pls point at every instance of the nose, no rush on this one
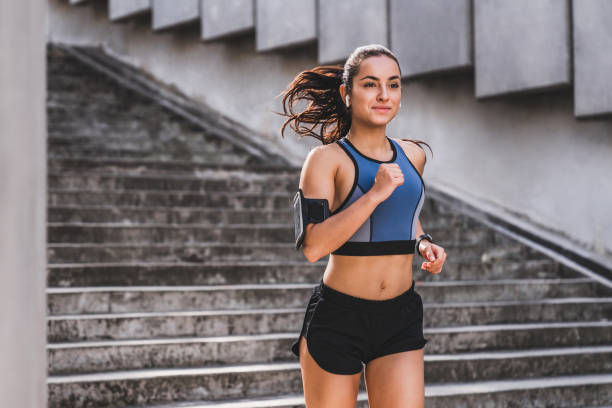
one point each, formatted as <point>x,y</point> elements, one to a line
<point>383,95</point>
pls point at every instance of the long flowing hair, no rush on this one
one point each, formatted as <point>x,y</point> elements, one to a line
<point>326,109</point>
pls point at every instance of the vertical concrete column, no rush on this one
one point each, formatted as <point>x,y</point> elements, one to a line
<point>121,9</point>
<point>23,207</point>
<point>430,36</point>
<point>346,25</point>
<point>592,28</point>
<point>281,24</point>
<point>521,46</point>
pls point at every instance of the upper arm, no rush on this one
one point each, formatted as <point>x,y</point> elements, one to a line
<point>318,174</point>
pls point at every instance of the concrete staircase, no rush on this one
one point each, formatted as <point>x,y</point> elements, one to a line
<point>173,281</point>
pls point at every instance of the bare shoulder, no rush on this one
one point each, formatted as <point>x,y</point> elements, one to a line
<point>414,152</point>
<point>319,171</point>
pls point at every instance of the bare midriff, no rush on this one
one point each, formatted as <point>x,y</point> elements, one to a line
<point>377,277</point>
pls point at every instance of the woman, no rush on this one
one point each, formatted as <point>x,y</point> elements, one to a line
<point>364,311</point>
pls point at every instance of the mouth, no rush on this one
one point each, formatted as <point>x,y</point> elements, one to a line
<point>382,109</point>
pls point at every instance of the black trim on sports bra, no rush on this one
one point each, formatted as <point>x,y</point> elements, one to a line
<point>376,247</point>
<point>372,159</point>
<point>356,177</point>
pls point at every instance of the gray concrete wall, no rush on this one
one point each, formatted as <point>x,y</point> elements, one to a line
<point>431,35</point>
<point>527,157</point>
<point>521,45</point>
<point>592,57</point>
<point>284,23</point>
<point>345,25</point>
<point>121,9</point>
<point>224,18</point>
<point>23,207</point>
<point>168,14</point>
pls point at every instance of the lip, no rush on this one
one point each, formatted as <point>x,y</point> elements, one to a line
<point>381,108</point>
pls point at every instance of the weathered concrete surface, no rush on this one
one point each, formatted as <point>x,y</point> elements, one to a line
<point>168,14</point>
<point>120,9</point>
<point>223,18</point>
<point>526,141</point>
<point>431,35</point>
<point>345,25</point>
<point>592,57</point>
<point>521,45</point>
<point>284,23</point>
<point>23,206</point>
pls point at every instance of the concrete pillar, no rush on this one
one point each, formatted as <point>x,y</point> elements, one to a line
<point>120,9</point>
<point>592,57</point>
<point>226,18</point>
<point>167,14</point>
<point>521,46</point>
<point>430,36</point>
<point>346,25</point>
<point>23,207</point>
<point>281,24</point>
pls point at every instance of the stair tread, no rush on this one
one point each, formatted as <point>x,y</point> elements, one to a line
<point>428,305</point>
<point>279,286</point>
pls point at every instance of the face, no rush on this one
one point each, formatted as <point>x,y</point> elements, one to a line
<point>376,92</point>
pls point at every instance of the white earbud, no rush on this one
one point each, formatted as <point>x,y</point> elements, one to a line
<point>400,105</point>
<point>347,101</point>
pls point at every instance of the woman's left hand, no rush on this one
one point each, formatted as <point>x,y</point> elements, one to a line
<point>435,254</point>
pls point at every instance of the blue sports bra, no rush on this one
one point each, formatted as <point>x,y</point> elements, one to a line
<point>391,228</point>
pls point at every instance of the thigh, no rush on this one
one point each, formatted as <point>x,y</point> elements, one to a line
<point>396,380</point>
<point>323,389</point>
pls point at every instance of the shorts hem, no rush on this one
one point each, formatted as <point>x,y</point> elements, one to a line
<point>321,365</point>
<point>421,344</point>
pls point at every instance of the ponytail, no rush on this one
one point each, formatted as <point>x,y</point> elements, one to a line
<point>320,86</point>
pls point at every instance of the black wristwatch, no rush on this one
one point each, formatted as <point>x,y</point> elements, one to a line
<point>418,241</point>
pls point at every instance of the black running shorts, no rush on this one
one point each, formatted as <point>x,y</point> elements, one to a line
<point>344,332</point>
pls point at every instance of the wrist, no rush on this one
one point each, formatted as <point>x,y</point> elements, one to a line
<point>421,237</point>
<point>373,197</point>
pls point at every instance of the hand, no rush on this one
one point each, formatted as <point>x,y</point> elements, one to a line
<point>388,177</point>
<point>435,254</point>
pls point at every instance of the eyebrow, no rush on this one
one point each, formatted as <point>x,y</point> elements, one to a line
<point>376,79</point>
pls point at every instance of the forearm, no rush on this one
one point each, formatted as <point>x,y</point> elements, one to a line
<point>419,229</point>
<point>325,237</point>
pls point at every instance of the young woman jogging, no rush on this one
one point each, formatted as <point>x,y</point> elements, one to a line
<point>359,198</point>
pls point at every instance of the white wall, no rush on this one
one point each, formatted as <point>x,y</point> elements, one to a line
<point>23,207</point>
<point>526,158</point>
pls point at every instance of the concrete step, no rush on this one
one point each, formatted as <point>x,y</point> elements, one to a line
<point>155,167</point>
<point>564,391</point>
<point>122,299</point>
<point>142,152</point>
<point>217,322</point>
<point>163,215</point>
<point>183,352</point>
<point>247,381</point>
<point>130,137</point>
<point>447,368</point>
<point>209,181</point>
<point>250,272</point>
<point>73,232</point>
<point>227,251</point>
<point>169,233</point>
<point>145,198</point>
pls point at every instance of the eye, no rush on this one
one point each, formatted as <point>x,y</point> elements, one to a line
<point>370,83</point>
<point>395,85</point>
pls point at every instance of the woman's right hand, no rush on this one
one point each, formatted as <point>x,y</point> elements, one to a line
<point>388,177</point>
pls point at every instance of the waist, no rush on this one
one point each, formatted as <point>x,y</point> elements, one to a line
<point>365,304</point>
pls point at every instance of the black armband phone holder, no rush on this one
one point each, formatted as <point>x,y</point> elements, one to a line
<point>305,211</point>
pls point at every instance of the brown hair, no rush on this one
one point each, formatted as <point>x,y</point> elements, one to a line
<point>320,86</point>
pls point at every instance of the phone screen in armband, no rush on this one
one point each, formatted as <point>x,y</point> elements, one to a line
<point>298,220</point>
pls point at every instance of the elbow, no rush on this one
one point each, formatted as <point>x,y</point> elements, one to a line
<point>311,254</point>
